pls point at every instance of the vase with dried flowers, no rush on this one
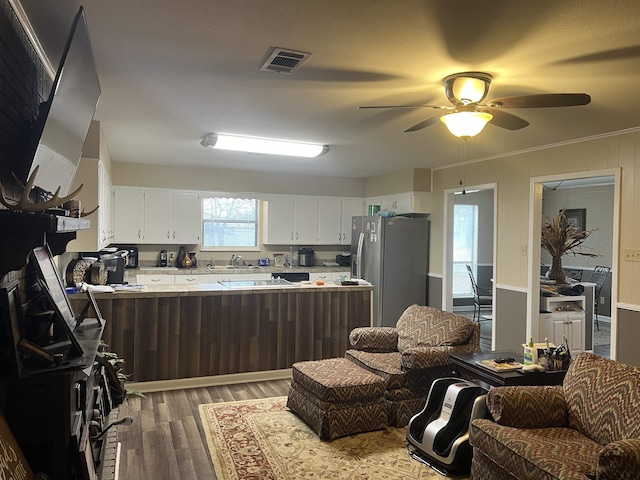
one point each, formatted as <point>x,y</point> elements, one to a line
<point>560,237</point>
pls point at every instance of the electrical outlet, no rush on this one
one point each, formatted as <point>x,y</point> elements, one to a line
<point>601,300</point>
<point>632,254</point>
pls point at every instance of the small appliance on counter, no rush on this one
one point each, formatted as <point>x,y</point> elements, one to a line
<point>163,258</point>
<point>343,259</point>
<point>306,257</point>
<point>131,260</point>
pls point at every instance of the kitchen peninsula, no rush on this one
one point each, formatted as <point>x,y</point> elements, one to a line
<point>177,332</point>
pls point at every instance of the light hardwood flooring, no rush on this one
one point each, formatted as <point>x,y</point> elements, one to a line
<point>166,439</point>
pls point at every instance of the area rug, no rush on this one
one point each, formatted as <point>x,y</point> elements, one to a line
<point>261,439</point>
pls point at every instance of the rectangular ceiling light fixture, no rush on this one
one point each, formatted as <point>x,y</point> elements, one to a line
<point>262,145</point>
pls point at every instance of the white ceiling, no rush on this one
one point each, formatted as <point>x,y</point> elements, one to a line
<point>173,71</point>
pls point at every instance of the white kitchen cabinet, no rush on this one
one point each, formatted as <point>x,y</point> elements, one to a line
<point>401,203</point>
<point>350,207</point>
<point>187,217</point>
<point>565,318</point>
<point>96,191</point>
<point>128,214</point>
<point>329,221</point>
<point>105,210</point>
<point>280,221</point>
<point>150,279</point>
<point>306,220</point>
<point>292,221</point>
<point>190,279</point>
<point>158,216</point>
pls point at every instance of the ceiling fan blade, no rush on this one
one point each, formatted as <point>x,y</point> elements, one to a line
<point>401,106</point>
<point>506,120</point>
<point>541,101</point>
<point>423,124</point>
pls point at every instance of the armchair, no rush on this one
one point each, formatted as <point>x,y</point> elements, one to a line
<point>412,354</point>
<point>585,429</point>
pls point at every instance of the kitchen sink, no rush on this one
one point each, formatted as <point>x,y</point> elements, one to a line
<point>272,283</point>
<point>231,267</point>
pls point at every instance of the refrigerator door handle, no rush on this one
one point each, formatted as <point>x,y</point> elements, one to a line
<point>359,256</point>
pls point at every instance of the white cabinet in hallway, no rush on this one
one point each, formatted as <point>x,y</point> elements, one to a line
<point>565,318</point>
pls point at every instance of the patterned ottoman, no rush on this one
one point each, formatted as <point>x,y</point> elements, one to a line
<point>336,397</point>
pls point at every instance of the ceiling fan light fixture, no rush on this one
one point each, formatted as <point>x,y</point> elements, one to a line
<point>467,87</point>
<point>266,146</point>
<point>466,124</point>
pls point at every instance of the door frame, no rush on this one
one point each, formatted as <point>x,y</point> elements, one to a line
<point>447,267</point>
<point>535,230</point>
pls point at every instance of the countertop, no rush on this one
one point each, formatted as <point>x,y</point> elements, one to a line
<point>204,270</point>
<point>203,289</point>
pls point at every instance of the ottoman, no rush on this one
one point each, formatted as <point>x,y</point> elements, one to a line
<point>336,397</point>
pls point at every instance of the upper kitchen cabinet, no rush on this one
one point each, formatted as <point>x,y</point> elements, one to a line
<point>187,217</point>
<point>351,207</point>
<point>96,192</point>
<point>334,219</point>
<point>128,215</point>
<point>156,216</point>
<point>412,202</point>
<point>292,220</point>
<point>329,221</point>
<point>308,220</point>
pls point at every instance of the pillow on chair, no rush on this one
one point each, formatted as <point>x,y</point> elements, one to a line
<point>422,326</point>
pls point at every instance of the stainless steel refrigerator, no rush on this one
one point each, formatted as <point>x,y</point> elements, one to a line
<point>392,253</point>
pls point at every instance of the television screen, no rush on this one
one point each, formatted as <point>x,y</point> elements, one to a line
<point>64,119</point>
<point>52,286</point>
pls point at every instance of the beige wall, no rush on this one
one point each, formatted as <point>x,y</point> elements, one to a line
<point>210,179</point>
<point>512,175</point>
<point>411,180</point>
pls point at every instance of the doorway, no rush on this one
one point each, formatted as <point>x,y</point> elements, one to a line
<point>470,232</point>
<point>576,191</point>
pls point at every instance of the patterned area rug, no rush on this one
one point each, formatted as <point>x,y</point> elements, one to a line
<point>261,439</point>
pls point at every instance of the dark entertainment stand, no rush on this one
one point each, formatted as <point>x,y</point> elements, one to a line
<point>55,411</point>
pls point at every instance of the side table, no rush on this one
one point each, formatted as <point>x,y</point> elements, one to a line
<point>465,366</point>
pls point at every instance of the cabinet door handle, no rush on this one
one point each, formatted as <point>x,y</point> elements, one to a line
<point>168,234</point>
<point>139,232</point>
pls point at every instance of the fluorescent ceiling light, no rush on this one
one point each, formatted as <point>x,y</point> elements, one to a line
<point>466,124</point>
<point>263,145</point>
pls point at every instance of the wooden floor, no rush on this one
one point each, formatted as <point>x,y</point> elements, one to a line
<point>166,439</point>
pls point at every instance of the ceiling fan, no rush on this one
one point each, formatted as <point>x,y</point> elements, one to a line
<point>468,115</point>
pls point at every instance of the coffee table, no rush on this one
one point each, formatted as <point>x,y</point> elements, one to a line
<point>465,366</point>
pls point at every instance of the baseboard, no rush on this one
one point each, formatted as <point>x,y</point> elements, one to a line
<point>212,381</point>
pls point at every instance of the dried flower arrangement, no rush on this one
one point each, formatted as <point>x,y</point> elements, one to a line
<point>560,237</point>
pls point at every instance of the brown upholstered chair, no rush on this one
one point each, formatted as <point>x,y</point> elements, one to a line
<point>586,428</point>
<point>412,354</point>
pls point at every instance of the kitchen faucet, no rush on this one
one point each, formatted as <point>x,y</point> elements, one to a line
<point>236,259</point>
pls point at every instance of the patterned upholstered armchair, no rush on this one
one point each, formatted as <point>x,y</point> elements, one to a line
<point>588,428</point>
<point>412,354</point>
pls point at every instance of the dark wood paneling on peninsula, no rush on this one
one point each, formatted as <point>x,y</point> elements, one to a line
<point>177,336</point>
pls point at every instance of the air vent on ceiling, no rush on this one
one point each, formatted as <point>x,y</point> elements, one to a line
<point>282,60</point>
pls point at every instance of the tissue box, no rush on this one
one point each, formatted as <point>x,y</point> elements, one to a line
<point>532,355</point>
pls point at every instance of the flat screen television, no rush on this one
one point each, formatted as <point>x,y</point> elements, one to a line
<point>63,121</point>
